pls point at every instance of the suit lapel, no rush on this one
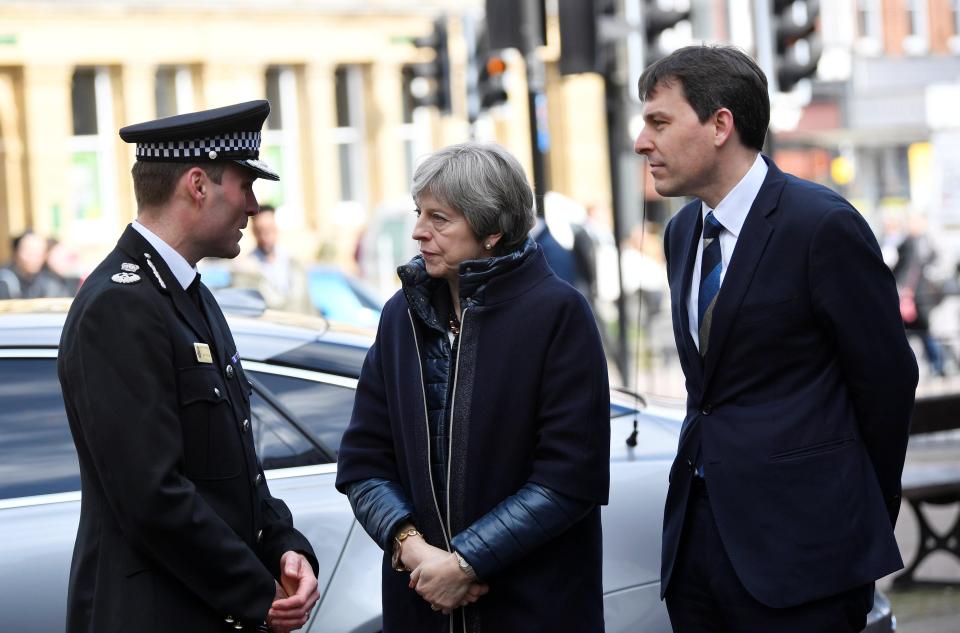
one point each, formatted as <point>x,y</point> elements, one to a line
<point>134,245</point>
<point>688,227</point>
<point>751,244</point>
<point>689,346</point>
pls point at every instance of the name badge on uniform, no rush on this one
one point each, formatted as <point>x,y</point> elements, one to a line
<point>203,352</point>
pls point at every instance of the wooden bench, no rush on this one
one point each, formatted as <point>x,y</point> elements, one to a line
<point>930,484</point>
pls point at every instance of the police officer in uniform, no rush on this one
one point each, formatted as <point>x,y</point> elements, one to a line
<point>178,530</point>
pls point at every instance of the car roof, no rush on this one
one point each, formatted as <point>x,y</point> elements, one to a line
<point>274,337</point>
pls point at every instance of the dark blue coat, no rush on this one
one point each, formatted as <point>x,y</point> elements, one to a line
<point>530,403</point>
<point>801,407</point>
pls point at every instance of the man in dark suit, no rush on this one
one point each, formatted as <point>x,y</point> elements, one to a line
<point>178,530</point>
<point>800,382</point>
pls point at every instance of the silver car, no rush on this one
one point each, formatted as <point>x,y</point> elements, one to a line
<point>304,375</point>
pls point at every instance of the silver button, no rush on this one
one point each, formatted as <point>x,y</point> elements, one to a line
<point>216,392</point>
<point>212,155</point>
<point>238,626</point>
<point>229,619</point>
<point>229,371</point>
<point>258,479</point>
<point>246,424</point>
<point>259,535</point>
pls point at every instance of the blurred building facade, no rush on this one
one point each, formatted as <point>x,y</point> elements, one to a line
<point>342,132</point>
<point>878,123</point>
<point>882,126</point>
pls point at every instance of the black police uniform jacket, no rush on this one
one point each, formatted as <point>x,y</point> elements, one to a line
<point>178,531</point>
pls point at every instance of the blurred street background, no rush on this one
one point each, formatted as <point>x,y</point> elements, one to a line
<point>864,95</point>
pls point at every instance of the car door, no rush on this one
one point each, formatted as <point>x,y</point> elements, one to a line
<point>642,447</point>
<point>39,493</point>
<point>321,405</point>
<point>40,498</point>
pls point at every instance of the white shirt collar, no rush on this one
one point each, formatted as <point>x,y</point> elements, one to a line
<point>733,209</point>
<point>179,266</point>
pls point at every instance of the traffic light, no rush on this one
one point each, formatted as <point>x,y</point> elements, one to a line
<point>430,81</point>
<point>798,44</point>
<point>656,21</point>
<point>578,37</point>
<point>490,83</point>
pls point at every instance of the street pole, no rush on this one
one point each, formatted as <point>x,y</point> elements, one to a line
<point>536,97</point>
<point>764,33</point>
<point>613,85</point>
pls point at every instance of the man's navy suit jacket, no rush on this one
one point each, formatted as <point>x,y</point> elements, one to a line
<point>800,411</point>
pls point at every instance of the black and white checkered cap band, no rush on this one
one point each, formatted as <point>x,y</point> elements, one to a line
<point>224,146</point>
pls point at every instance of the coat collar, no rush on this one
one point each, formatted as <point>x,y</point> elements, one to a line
<point>154,268</point>
<point>175,262</point>
<point>478,278</point>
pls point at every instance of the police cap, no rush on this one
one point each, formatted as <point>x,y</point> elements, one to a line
<point>231,133</point>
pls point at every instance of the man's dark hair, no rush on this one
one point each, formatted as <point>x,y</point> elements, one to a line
<point>714,77</point>
<point>266,207</point>
<point>153,182</point>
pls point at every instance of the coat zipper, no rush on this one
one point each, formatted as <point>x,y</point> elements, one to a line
<point>426,421</point>
<point>453,401</point>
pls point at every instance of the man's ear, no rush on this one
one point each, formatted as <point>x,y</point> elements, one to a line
<point>724,127</point>
<point>195,181</point>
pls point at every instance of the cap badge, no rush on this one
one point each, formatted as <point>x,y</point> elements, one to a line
<point>125,278</point>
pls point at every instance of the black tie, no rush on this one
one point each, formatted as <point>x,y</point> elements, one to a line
<point>193,290</point>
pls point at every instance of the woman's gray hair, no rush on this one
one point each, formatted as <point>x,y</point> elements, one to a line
<point>486,184</point>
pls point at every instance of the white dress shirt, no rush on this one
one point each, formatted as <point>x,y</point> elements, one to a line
<point>179,266</point>
<point>731,213</point>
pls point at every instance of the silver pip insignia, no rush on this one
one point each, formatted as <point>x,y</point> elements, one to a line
<point>125,278</point>
<point>129,268</point>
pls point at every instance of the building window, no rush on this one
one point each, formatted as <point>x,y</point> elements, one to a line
<point>280,147</point>
<point>173,90</point>
<point>92,195</point>
<point>348,135</point>
<point>917,40</point>
<point>869,27</point>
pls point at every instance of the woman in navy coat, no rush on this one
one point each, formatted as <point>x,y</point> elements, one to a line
<point>478,452</point>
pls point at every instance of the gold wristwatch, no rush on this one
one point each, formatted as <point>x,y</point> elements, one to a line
<point>398,540</point>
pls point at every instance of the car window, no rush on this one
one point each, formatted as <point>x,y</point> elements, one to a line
<point>323,408</point>
<point>278,443</point>
<point>37,456</point>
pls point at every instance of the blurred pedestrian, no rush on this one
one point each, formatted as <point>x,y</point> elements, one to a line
<point>597,272</point>
<point>919,293</point>
<point>477,454</point>
<point>25,276</point>
<point>270,268</point>
<point>61,263</point>
<point>800,382</point>
<point>178,530</point>
<point>558,257</point>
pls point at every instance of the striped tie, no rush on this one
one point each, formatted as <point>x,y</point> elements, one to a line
<point>710,267</point>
